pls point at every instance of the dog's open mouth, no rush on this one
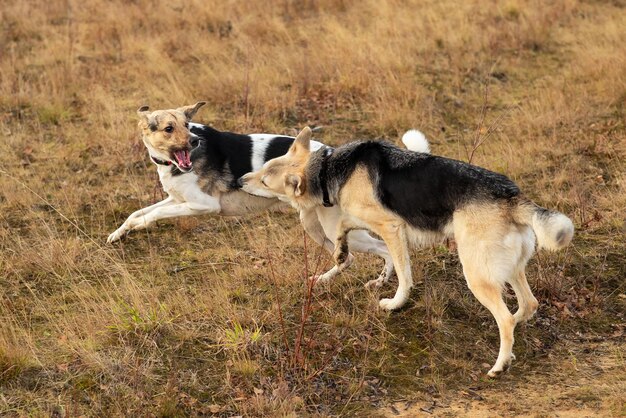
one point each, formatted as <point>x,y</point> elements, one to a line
<point>183,159</point>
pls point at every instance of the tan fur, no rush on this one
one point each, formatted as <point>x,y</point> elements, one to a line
<point>285,175</point>
<point>362,210</point>
<point>491,249</point>
<point>189,194</point>
<point>153,124</point>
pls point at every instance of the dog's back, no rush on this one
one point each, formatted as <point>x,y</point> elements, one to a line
<point>423,189</point>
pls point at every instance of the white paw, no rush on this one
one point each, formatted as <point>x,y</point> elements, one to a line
<point>321,278</point>
<point>115,236</point>
<point>390,304</point>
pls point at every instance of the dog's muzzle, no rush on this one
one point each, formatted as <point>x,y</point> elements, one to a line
<point>240,182</point>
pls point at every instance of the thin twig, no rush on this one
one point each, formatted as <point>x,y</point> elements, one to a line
<point>281,319</point>
<point>483,113</point>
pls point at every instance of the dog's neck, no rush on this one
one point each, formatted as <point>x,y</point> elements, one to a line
<point>317,177</point>
<point>159,161</point>
<point>323,176</point>
<point>165,167</point>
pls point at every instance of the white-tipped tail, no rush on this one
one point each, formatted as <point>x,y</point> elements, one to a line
<point>415,141</point>
<point>552,229</point>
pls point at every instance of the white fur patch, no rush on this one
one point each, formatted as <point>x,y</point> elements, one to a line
<point>259,145</point>
<point>315,146</point>
<point>416,141</point>
<point>260,142</point>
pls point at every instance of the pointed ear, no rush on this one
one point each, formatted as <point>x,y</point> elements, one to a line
<point>294,182</point>
<point>190,111</point>
<point>302,142</point>
<point>143,113</point>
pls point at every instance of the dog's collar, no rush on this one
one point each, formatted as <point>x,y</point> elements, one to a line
<point>328,151</point>
<point>160,162</point>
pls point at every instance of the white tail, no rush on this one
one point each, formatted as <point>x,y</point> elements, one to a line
<point>415,141</point>
<point>553,229</point>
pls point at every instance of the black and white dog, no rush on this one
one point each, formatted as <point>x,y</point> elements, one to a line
<point>199,166</point>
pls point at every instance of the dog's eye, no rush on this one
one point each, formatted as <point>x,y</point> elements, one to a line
<point>169,129</point>
<point>263,181</point>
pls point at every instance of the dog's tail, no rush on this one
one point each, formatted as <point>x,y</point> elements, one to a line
<point>415,141</point>
<point>553,229</point>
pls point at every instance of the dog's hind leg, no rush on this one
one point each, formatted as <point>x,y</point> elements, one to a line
<point>526,301</point>
<point>126,226</point>
<point>489,250</point>
<point>489,293</point>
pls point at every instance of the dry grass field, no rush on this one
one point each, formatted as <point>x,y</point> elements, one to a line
<point>212,316</point>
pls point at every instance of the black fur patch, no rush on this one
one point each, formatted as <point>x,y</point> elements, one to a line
<point>279,146</point>
<point>221,154</point>
<point>227,155</point>
<point>342,256</point>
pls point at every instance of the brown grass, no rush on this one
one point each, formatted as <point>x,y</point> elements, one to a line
<point>183,319</point>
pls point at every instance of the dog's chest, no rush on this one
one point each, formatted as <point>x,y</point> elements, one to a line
<point>178,186</point>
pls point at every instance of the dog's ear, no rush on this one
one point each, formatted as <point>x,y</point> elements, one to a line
<point>143,113</point>
<point>302,142</point>
<point>293,182</point>
<point>190,111</point>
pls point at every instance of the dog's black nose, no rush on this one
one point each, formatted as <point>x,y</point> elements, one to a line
<point>194,141</point>
<point>240,182</point>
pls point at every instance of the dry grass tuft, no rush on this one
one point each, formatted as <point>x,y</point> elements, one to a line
<point>205,316</point>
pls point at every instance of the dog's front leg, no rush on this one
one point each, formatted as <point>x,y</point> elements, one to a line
<point>175,211</point>
<point>126,226</point>
<point>341,253</point>
<point>396,240</point>
<point>313,228</point>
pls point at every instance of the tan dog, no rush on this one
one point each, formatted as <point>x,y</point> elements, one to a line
<point>420,198</point>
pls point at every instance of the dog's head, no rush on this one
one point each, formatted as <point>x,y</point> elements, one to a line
<point>166,133</point>
<point>283,177</point>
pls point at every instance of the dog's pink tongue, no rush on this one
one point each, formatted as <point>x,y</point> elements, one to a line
<point>182,157</point>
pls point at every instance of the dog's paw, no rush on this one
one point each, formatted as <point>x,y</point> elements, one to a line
<point>319,279</point>
<point>375,284</point>
<point>116,236</point>
<point>390,304</point>
<point>497,370</point>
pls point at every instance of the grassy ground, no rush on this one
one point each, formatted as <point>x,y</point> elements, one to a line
<point>212,316</point>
